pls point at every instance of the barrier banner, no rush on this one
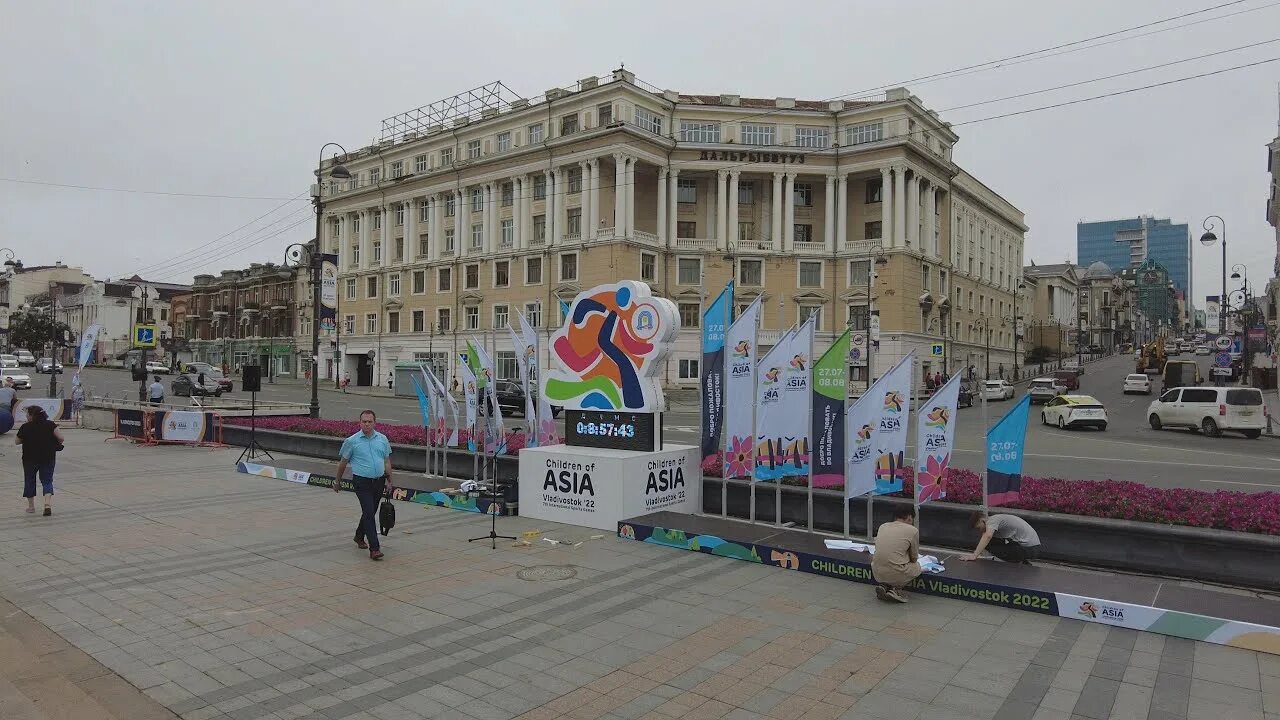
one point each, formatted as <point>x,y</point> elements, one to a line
<point>715,323</point>
<point>1192,626</point>
<point>184,426</point>
<point>1005,445</point>
<point>55,408</point>
<point>131,424</point>
<point>739,392</point>
<point>830,388</point>
<point>935,439</point>
<point>891,426</point>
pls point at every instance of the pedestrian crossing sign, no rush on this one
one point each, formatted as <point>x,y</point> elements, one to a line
<point>937,350</point>
<point>144,336</point>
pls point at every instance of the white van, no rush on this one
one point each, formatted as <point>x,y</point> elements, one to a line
<point>1210,409</point>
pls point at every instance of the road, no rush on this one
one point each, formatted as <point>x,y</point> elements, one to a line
<point>1128,450</point>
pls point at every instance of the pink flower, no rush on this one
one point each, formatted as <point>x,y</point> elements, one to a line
<point>933,479</point>
<point>739,462</point>
<point>547,432</point>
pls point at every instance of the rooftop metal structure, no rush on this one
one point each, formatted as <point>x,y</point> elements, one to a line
<point>474,104</point>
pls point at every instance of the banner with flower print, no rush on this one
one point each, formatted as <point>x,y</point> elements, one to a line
<point>894,404</point>
<point>793,421</point>
<point>739,392</point>
<point>935,440</point>
<point>826,418</point>
<point>769,419</point>
<point>715,323</point>
<point>442,397</point>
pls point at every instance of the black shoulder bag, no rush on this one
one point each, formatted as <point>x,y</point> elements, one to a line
<point>387,515</point>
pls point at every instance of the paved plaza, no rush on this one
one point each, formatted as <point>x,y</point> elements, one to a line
<point>166,584</point>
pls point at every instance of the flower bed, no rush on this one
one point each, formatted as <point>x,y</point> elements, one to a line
<point>1115,499</point>
<point>399,434</point>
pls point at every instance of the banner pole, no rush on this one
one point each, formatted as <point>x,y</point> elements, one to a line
<point>809,420</point>
<point>871,496</point>
<point>985,431</point>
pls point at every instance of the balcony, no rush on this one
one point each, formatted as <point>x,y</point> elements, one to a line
<point>754,245</point>
<point>645,237</point>
<point>250,307</point>
<point>809,248</point>
<point>864,247</point>
<point>220,311</point>
<point>697,244</point>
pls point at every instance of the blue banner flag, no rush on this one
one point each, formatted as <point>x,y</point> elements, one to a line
<point>424,405</point>
<point>564,310</point>
<point>715,323</point>
<point>1006,443</point>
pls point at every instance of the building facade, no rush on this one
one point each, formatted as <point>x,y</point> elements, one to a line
<point>1127,243</point>
<point>845,210</point>
<point>116,305</point>
<point>1050,309</point>
<point>250,317</point>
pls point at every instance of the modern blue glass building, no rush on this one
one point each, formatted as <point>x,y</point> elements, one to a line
<point>1126,243</point>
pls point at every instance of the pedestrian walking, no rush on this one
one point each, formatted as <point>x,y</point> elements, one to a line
<point>40,441</point>
<point>896,560</point>
<point>346,381</point>
<point>77,399</point>
<point>368,452</point>
<point>391,380</point>
<point>155,391</point>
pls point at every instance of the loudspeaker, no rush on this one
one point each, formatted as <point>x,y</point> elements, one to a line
<point>251,378</point>
<point>138,372</point>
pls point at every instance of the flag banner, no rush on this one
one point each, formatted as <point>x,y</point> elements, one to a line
<point>495,433</point>
<point>797,376</point>
<point>525,343</point>
<point>891,426</point>
<point>830,389</point>
<point>935,439</point>
<point>469,394</point>
<point>740,392</point>
<point>769,420</point>
<point>443,397</point>
<point>88,342</point>
<point>433,413</point>
<point>861,428</point>
<point>715,322</point>
<point>1005,445</point>
<point>1212,315</point>
<point>564,311</point>
<point>328,292</point>
<point>424,404</point>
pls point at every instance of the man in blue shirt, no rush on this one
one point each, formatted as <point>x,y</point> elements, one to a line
<point>368,452</point>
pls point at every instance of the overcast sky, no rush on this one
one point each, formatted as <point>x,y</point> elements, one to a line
<point>236,98</point>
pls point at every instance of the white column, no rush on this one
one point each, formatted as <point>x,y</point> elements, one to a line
<point>435,239</point>
<point>619,196</point>
<point>594,199</point>
<point>561,178</point>
<point>344,245</point>
<point>842,211</point>
<point>662,206</point>
<point>673,206</point>
<point>776,206</point>
<point>829,215</point>
<point>584,196</point>
<point>789,218</point>
<point>899,206</point>
<point>386,235</point>
<point>366,238</point>
<point>732,237</point>
<point>631,196</point>
<point>526,225</point>
<point>886,207</point>
<point>927,243</point>
<point>913,212</point>
<point>722,208</point>
<point>517,212</point>
<point>410,230</point>
<point>549,208</point>
<point>462,225</point>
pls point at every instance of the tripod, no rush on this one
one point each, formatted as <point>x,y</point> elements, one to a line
<point>253,449</point>
<point>489,467</point>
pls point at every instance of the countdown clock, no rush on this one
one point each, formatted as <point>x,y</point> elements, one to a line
<point>612,430</point>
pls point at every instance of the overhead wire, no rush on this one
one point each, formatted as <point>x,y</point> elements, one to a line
<point>72,186</point>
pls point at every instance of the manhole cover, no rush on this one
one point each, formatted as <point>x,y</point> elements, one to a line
<point>547,573</point>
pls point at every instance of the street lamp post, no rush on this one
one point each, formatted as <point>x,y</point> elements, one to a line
<point>315,260</point>
<point>1208,239</point>
<point>1240,272</point>
<point>872,263</point>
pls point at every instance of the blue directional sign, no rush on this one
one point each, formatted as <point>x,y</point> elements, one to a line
<point>1222,359</point>
<point>144,336</point>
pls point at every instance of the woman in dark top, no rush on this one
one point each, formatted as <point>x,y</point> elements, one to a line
<point>40,441</point>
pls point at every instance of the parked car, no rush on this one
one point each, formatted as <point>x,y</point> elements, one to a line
<point>189,386</point>
<point>156,367</point>
<point>511,399</point>
<point>1210,410</point>
<point>1044,389</point>
<point>1204,350</point>
<point>210,373</point>
<point>48,365</point>
<point>1068,411</point>
<point>25,358</point>
<point>1137,383</point>
<point>997,390</point>
<point>8,361</point>
<point>1069,379</point>
<point>21,380</point>
<point>965,398</point>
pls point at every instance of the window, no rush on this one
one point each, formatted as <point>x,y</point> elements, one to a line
<point>393,285</point>
<point>535,133</point>
<point>471,277</point>
<point>448,240</point>
<point>758,134</point>
<point>568,267</point>
<point>539,229</point>
<point>419,321</point>
<point>446,156</point>
<point>424,212</point>
<point>573,222</point>
<point>451,205</point>
<point>477,200</point>
<point>500,316</point>
<point>873,230</point>
<point>604,114</point>
<point>859,317</point>
<point>811,273</point>
<point>508,194</point>
<point>423,246</point>
<point>473,149</point>
<point>420,164</point>
<point>377,252</point>
<point>504,141</point>
<point>569,124</point>
<point>814,311</point>
<point>351,288</point>
<point>355,224</point>
<point>477,236</point>
<point>444,279</point>
<point>419,282</point>
<point>371,286</point>
<point>540,187</point>
<point>803,233</point>
<point>371,323</point>
<point>689,271</point>
<point>875,190</point>
<point>502,273</point>
<point>377,221</point>
<point>813,137</point>
<point>508,233</point>
<point>575,180</point>
<point>865,133</point>
<point>751,272</point>
<point>648,267</point>
<point>699,132</point>
<point>689,369</point>
<point>686,229</point>
<point>397,168</point>
<point>471,317</point>
<point>924,277</point>
<point>400,215</point>
<point>650,121</point>
<point>690,315</point>
<point>533,314</point>
<point>804,195</point>
<point>746,193</point>
<point>859,273</point>
<point>504,364</point>
<point>349,324</point>
<point>393,322</point>
<point>444,320</point>
<point>686,191</point>
<point>375,176</point>
<point>746,231</point>
<point>533,271</point>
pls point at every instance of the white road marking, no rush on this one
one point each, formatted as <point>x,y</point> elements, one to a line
<point>1131,460</point>
<point>1233,482</point>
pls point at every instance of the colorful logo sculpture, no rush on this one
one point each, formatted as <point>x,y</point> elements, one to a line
<point>608,355</point>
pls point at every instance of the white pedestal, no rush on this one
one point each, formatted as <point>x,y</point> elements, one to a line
<point>596,488</point>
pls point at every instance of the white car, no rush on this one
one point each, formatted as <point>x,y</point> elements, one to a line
<point>25,358</point>
<point>21,380</point>
<point>997,390</point>
<point>1044,389</point>
<point>1137,383</point>
<point>158,367</point>
<point>8,361</point>
<point>1210,410</point>
<point>1204,350</point>
<point>1066,411</point>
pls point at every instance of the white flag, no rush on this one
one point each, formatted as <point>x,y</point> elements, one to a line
<point>88,342</point>
<point>860,424</point>
<point>769,428</point>
<point>495,431</point>
<point>891,427</point>
<point>797,375</point>
<point>443,396</point>
<point>739,392</point>
<point>470,396</point>
<point>935,439</point>
<point>525,344</point>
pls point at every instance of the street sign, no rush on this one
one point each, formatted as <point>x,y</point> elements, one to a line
<point>1222,359</point>
<point>1220,371</point>
<point>858,339</point>
<point>144,336</point>
<point>855,354</point>
<point>937,350</point>
<point>875,328</point>
<point>1222,342</point>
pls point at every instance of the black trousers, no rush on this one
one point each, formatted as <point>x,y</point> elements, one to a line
<point>369,493</point>
<point>1010,551</point>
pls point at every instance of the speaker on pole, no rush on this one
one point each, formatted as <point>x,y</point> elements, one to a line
<point>252,378</point>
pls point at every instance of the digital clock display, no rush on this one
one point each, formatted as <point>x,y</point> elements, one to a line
<point>614,430</point>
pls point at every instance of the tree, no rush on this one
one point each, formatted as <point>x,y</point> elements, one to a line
<point>33,330</point>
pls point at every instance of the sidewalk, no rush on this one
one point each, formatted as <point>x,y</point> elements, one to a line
<point>224,595</point>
